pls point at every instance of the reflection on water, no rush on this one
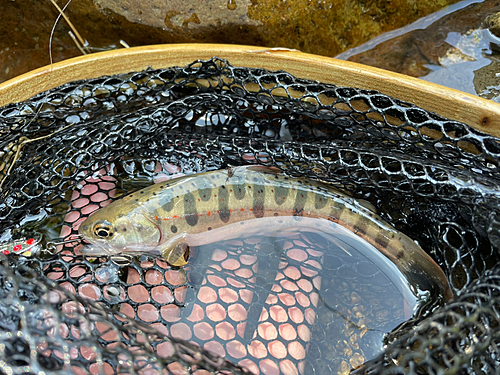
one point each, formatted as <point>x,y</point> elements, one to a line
<point>306,300</point>
<point>452,47</point>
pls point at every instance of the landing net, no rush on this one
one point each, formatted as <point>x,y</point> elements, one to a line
<point>88,142</point>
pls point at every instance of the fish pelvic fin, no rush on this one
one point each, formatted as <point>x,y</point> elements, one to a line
<point>176,251</point>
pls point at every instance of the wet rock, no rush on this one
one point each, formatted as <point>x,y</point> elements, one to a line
<point>321,27</point>
<point>493,23</point>
<point>456,48</point>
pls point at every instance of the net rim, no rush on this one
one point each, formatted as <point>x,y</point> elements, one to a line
<point>479,113</point>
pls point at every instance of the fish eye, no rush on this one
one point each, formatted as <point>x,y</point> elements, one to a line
<point>103,230</point>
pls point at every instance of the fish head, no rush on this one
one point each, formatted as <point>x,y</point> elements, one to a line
<point>119,233</point>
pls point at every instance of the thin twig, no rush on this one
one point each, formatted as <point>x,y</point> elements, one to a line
<point>76,42</point>
<point>124,43</point>
<point>18,151</point>
<point>83,42</point>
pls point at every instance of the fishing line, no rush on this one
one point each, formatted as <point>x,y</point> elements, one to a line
<point>42,102</point>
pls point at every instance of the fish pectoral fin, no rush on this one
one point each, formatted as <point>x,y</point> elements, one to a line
<point>148,217</point>
<point>176,252</point>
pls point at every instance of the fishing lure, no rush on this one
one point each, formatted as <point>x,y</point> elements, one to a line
<point>23,246</point>
<point>31,246</point>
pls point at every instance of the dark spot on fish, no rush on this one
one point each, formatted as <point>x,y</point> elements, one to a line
<point>173,229</point>
<point>162,186</point>
<point>223,187</point>
<point>137,200</point>
<point>85,227</point>
<point>276,214</point>
<point>400,255</point>
<point>209,228</point>
<point>255,179</point>
<point>180,187</point>
<point>124,229</point>
<point>154,193</point>
<point>142,192</point>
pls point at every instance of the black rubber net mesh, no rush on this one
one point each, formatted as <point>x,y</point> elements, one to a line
<point>88,142</point>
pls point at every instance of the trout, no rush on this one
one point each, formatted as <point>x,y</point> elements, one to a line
<point>171,216</point>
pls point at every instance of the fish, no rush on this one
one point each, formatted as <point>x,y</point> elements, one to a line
<point>172,216</point>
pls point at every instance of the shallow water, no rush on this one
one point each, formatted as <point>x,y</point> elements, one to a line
<point>452,47</point>
<point>310,300</point>
<point>306,301</point>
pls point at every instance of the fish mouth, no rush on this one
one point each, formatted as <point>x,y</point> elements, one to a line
<point>98,247</point>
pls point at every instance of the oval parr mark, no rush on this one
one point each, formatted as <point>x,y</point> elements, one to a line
<point>166,201</point>
<point>205,194</point>
<point>239,191</point>
<point>320,201</point>
<point>224,212</point>
<point>190,211</point>
<point>280,194</point>
<point>259,194</point>
<point>300,202</point>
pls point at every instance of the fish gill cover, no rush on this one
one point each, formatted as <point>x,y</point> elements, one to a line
<point>70,151</point>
